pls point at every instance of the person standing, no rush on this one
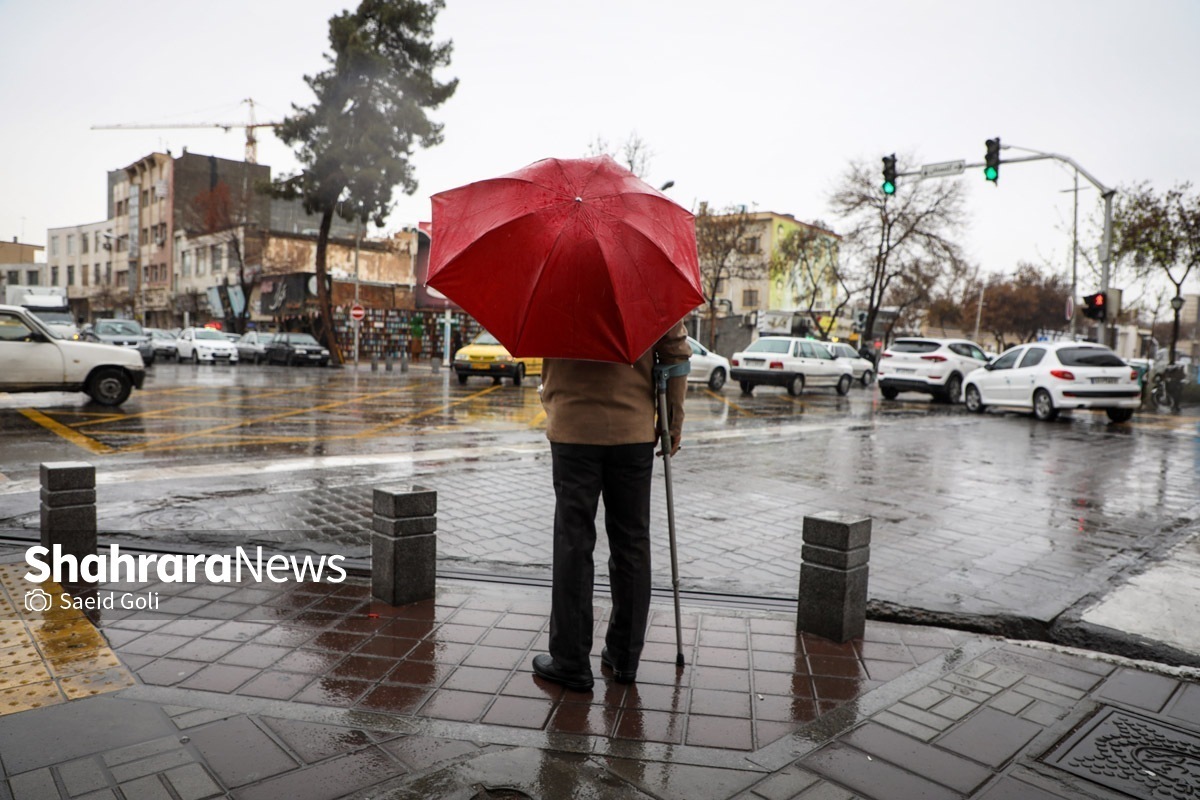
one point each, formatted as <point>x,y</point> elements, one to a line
<point>602,426</point>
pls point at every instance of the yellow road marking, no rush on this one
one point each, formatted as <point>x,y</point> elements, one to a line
<point>538,419</point>
<point>426,413</point>
<point>256,421</point>
<point>74,437</point>
<point>729,403</point>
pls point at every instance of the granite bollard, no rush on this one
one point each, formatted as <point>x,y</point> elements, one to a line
<point>833,576</point>
<point>69,507</point>
<point>404,544</point>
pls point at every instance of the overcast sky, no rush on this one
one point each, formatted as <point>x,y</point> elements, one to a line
<point>761,102</point>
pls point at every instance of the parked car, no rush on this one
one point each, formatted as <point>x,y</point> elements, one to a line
<point>122,332</point>
<point>863,369</point>
<point>1048,377</point>
<point>486,357</point>
<point>295,348</point>
<point>790,362</point>
<point>233,337</point>
<point>252,346</point>
<point>164,343</point>
<point>707,367</point>
<point>205,344</point>
<point>37,358</point>
<point>932,366</point>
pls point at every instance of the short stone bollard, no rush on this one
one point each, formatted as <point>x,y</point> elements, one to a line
<point>833,576</point>
<point>435,364</point>
<point>374,363</point>
<point>404,544</point>
<point>404,361</point>
<point>387,363</point>
<point>69,507</point>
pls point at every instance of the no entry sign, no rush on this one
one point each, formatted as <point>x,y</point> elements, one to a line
<point>357,312</point>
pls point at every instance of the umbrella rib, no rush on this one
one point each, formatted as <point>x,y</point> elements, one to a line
<point>541,272</point>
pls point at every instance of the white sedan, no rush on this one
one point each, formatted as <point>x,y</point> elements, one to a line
<point>864,369</point>
<point>205,344</point>
<point>1048,377</point>
<point>707,366</point>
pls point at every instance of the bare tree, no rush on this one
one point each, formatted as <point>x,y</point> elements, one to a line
<point>899,245</point>
<point>726,246</point>
<point>227,217</point>
<point>805,263</point>
<point>634,153</point>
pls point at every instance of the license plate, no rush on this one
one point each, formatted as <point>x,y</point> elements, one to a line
<point>1104,380</point>
<point>755,361</point>
<point>902,369</point>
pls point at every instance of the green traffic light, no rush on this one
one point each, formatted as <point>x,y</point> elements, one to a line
<point>990,173</point>
<point>889,187</point>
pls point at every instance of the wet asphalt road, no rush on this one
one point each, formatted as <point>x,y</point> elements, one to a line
<point>998,521</point>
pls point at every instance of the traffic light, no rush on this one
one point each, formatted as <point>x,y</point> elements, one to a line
<point>1095,306</point>
<point>991,162</point>
<point>889,174</point>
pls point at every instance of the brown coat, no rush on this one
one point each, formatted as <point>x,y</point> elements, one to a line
<point>594,402</point>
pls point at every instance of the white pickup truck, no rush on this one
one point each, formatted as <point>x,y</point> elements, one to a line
<point>36,358</point>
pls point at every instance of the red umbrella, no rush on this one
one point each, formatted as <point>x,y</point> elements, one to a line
<point>567,259</point>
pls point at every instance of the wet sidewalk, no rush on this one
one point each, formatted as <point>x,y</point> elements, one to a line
<point>315,691</point>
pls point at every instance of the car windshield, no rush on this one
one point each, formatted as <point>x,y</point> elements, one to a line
<point>842,351</point>
<point>54,317</point>
<point>209,333</point>
<point>1089,357</point>
<point>914,346</point>
<point>118,327</point>
<point>261,338</point>
<point>770,346</point>
<point>157,334</point>
<point>485,338</point>
<point>298,338</point>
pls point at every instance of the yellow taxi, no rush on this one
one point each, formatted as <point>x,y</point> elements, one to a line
<point>485,356</point>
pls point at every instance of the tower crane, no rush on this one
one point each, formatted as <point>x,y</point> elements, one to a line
<point>251,126</point>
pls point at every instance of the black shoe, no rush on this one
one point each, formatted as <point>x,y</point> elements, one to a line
<point>619,675</point>
<point>544,666</point>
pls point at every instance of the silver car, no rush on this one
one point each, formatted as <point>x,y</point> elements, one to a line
<point>121,332</point>
<point>252,346</point>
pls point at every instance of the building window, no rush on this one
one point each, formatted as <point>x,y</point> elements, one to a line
<point>14,277</point>
<point>83,243</point>
<point>108,273</point>
<point>722,287</point>
<point>199,261</point>
<point>70,274</point>
<point>96,276</point>
<point>215,254</point>
<point>33,278</point>
<point>70,244</point>
<point>185,263</point>
<point>750,243</point>
<point>750,298</point>
<point>54,276</point>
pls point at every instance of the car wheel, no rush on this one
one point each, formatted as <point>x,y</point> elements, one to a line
<point>196,357</point>
<point>795,386</point>
<point>288,360</point>
<point>974,400</point>
<point>717,379</point>
<point>1119,414</point>
<point>953,388</point>
<point>519,375</point>
<point>888,392</point>
<point>109,386</point>
<point>462,379</point>
<point>843,385</point>
<point>867,377</point>
<point>747,387</point>
<point>1043,406</point>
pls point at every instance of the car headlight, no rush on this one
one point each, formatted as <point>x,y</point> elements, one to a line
<point>324,352</point>
<point>504,358</point>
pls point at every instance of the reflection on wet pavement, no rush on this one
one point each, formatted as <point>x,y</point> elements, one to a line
<point>48,654</point>
<point>465,658</point>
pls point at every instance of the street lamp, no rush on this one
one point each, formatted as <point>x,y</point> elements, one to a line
<point>1176,306</point>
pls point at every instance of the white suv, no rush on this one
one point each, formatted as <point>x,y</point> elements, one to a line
<point>932,366</point>
<point>789,362</point>
<point>37,358</point>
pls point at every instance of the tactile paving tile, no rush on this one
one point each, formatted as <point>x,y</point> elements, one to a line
<point>51,655</point>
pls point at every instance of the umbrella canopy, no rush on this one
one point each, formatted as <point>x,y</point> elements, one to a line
<point>567,259</point>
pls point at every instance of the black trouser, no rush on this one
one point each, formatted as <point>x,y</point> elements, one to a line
<point>582,474</point>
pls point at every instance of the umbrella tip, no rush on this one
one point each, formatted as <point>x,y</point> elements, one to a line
<point>578,199</point>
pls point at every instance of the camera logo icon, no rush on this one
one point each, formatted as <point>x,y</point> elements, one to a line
<point>37,600</point>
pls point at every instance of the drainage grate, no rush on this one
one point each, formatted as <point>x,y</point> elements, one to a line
<point>1134,755</point>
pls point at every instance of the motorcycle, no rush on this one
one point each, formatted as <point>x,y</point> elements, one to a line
<point>1166,386</point>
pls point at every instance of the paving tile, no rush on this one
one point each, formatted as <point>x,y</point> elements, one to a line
<point>990,737</point>
<point>1043,713</point>
<point>584,719</point>
<point>954,708</point>
<point>723,732</point>
<point>329,780</point>
<point>455,705</point>
<point>929,720</point>
<point>274,685</point>
<point>36,785</point>
<point>931,762</point>
<point>168,671</point>
<point>147,788</point>
<point>315,742</point>
<point>650,726</point>
<point>192,782</point>
<point>827,791</point>
<point>518,712</point>
<point>925,698</point>
<point>477,679</point>
<point>338,692</point>
<point>82,776</point>
<point>1142,690</point>
<point>904,725</point>
<point>785,784</point>
<point>1186,705</point>
<point>872,777</point>
<point>152,765</point>
<point>1011,703</point>
<point>1012,789</point>
<point>713,702</point>
<point>1051,666</point>
<point>219,678</point>
<point>239,752</point>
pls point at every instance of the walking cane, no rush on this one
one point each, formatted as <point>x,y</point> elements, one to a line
<point>662,374</point>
